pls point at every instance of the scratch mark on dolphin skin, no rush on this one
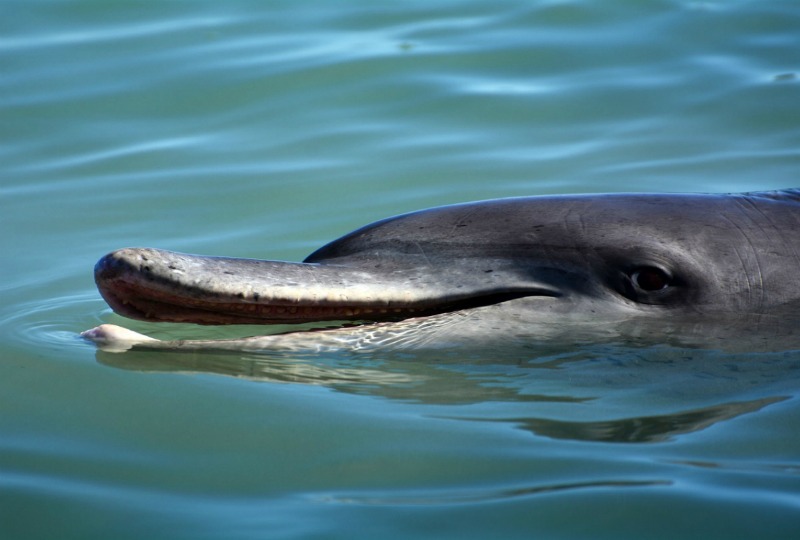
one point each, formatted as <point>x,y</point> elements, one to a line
<point>460,222</point>
<point>753,206</point>
<point>743,204</point>
<point>578,235</point>
<point>752,278</point>
<point>793,195</point>
<point>422,252</point>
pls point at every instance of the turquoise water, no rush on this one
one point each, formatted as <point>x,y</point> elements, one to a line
<point>268,129</point>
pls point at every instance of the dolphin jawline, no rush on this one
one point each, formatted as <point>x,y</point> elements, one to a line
<point>158,285</point>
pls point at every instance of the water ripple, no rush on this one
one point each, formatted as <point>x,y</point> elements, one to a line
<point>125,30</point>
<point>438,498</point>
<point>53,321</point>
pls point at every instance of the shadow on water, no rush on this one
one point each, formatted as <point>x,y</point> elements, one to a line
<point>648,394</point>
<point>642,429</point>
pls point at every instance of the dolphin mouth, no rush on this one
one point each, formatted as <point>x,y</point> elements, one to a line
<point>158,285</point>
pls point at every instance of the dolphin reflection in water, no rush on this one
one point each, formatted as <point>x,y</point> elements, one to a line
<point>696,269</point>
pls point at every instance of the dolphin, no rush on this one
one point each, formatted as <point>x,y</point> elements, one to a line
<point>521,269</point>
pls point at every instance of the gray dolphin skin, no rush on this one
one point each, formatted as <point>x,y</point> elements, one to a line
<point>491,267</point>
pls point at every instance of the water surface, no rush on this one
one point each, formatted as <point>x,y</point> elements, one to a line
<point>257,130</point>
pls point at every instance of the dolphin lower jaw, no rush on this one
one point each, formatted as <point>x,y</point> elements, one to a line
<point>156,285</point>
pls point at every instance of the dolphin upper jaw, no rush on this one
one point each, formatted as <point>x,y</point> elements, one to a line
<point>159,285</point>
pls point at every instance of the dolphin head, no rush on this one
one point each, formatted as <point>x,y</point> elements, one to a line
<point>627,254</point>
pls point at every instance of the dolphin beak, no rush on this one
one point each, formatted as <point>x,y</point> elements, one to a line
<point>158,285</point>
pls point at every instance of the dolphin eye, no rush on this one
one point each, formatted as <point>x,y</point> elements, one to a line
<point>650,278</point>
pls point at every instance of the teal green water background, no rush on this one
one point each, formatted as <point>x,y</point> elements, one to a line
<point>265,129</point>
